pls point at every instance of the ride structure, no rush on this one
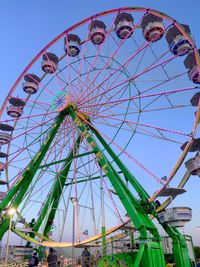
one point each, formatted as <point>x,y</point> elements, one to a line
<point>105,93</point>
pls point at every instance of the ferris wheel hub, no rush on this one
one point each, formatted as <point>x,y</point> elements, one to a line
<point>60,101</point>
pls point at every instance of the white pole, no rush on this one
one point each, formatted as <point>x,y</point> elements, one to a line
<point>74,202</point>
<point>92,210</point>
<point>8,239</point>
<point>76,209</point>
<point>102,200</point>
<point>73,236</point>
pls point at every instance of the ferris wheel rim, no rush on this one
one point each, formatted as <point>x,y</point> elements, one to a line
<point>134,9</point>
<point>89,19</point>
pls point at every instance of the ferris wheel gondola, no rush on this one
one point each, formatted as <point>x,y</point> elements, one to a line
<point>95,122</point>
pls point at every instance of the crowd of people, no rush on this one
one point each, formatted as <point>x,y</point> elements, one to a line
<point>86,259</point>
<point>53,261</point>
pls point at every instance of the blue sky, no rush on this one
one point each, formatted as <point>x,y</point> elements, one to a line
<point>28,25</point>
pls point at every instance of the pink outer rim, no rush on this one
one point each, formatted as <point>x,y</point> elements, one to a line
<point>133,9</point>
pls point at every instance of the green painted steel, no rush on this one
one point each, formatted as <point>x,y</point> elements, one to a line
<point>139,256</point>
<point>140,218</point>
<point>52,200</point>
<point>150,252</point>
<point>152,256</point>
<point>132,240</point>
<point>149,207</point>
<point>136,212</point>
<point>179,246</point>
<point>16,193</point>
<point>60,184</point>
<point>91,179</point>
<point>63,160</point>
<point>180,249</point>
<point>120,259</point>
<point>104,246</point>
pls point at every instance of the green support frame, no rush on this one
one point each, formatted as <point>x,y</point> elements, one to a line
<point>180,250</point>
<point>53,198</point>
<point>151,252</point>
<point>16,193</point>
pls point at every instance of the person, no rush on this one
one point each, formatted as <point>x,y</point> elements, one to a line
<point>33,261</point>
<point>85,258</point>
<point>52,258</point>
<point>98,256</point>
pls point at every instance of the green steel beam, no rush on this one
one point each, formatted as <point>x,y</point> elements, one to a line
<point>137,213</point>
<point>150,207</point>
<point>61,179</point>
<point>133,208</point>
<point>104,246</point>
<point>63,160</point>
<point>179,246</point>
<point>16,194</point>
<point>85,180</point>
<point>140,253</point>
<point>55,193</point>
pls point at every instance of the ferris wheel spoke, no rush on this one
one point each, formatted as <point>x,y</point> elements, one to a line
<point>145,125</point>
<point>129,79</point>
<point>39,83</point>
<point>21,149</point>
<point>79,71</point>
<point>121,94</point>
<point>48,155</point>
<point>33,128</point>
<point>56,76</point>
<point>144,46</point>
<point>96,58</point>
<point>142,131</point>
<point>71,92</point>
<point>109,194</point>
<point>42,105</point>
<point>60,175</point>
<point>141,96</point>
<point>132,78</point>
<point>128,155</point>
<point>28,117</point>
<point>106,204</point>
<point>106,63</point>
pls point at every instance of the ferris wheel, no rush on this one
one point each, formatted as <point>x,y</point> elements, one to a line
<point>94,122</point>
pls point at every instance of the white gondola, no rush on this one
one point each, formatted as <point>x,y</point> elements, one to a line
<point>191,65</point>
<point>178,44</point>
<point>49,63</point>
<point>97,32</point>
<point>124,25</point>
<point>193,165</point>
<point>72,45</point>
<point>153,28</point>
<point>176,216</point>
<point>5,138</point>
<point>31,84</point>
<point>14,112</point>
